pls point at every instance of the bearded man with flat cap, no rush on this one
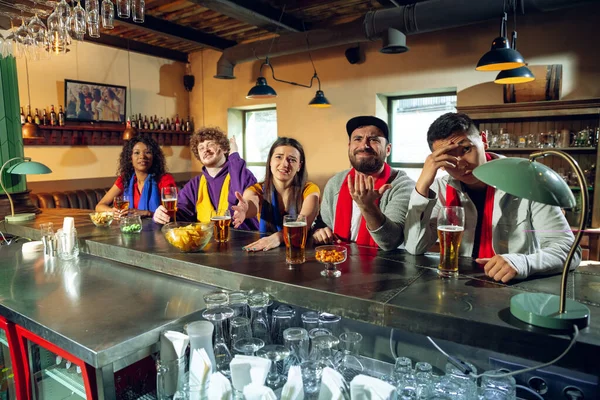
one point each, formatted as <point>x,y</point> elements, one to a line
<point>368,203</point>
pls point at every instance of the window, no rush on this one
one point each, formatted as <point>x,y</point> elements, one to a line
<point>410,117</point>
<point>260,131</point>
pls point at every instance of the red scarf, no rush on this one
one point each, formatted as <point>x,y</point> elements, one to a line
<point>486,250</point>
<point>343,212</point>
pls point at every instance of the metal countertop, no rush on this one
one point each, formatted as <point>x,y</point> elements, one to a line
<point>393,289</point>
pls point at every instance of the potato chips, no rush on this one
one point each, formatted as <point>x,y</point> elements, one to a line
<point>188,238</point>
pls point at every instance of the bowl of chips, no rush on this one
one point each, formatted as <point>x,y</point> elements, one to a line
<point>331,256</point>
<point>188,237</point>
<point>102,219</point>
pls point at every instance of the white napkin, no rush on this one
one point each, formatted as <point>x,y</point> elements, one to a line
<point>200,368</point>
<point>293,390</point>
<point>331,385</point>
<point>255,391</point>
<point>173,345</point>
<point>219,387</point>
<point>259,368</point>
<point>68,227</point>
<point>365,387</point>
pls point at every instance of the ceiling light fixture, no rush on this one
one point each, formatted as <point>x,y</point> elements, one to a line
<point>515,75</point>
<point>501,56</point>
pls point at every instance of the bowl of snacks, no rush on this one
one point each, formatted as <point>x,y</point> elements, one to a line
<point>331,256</point>
<point>188,237</point>
<point>130,224</point>
<point>102,219</point>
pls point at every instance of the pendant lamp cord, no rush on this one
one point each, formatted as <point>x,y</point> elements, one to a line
<point>129,72</point>
<point>28,87</point>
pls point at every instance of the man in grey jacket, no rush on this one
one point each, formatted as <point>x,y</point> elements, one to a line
<point>366,204</point>
<point>508,236</point>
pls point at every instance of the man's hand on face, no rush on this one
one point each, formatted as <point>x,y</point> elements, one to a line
<point>439,159</point>
<point>363,192</point>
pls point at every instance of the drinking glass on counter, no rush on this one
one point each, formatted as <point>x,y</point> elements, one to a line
<point>294,234</point>
<point>310,320</point>
<point>48,238</point>
<point>450,228</point>
<point>221,220</point>
<point>222,354</point>
<point>168,199</point>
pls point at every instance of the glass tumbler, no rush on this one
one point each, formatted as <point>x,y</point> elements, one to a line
<point>311,376</point>
<point>310,320</point>
<point>239,329</point>
<point>450,229</point>
<point>108,14</point>
<point>296,340</point>
<point>217,316</point>
<point>238,300</point>
<point>497,388</point>
<point>138,9</point>
<point>216,299</point>
<point>259,322</point>
<point>331,322</point>
<point>282,319</point>
<point>68,246</point>
<point>170,377</point>
<point>123,8</point>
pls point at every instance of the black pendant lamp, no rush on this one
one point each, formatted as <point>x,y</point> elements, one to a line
<point>319,101</point>
<point>262,90</point>
<point>515,75</point>
<point>501,56</point>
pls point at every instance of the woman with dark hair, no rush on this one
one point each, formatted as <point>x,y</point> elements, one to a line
<point>142,174</point>
<point>285,190</point>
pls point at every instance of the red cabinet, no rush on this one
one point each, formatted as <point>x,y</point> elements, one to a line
<point>11,375</point>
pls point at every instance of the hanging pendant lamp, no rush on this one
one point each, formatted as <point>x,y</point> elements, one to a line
<point>501,56</point>
<point>515,75</point>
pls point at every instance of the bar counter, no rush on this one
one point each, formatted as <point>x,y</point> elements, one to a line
<point>392,289</point>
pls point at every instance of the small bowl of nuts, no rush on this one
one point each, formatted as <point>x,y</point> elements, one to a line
<point>102,219</point>
<point>331,256</point>
<point>130,224</point>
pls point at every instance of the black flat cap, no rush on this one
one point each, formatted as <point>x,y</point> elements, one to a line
<point>366,120</point>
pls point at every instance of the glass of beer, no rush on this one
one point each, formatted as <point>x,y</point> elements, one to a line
<point>450,229</point>
<point>121,203</point>
<point>221,220</point>
<point>294,235</point>
<point>168,199</point>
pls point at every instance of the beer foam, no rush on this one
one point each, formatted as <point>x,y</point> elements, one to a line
<point>220,218</point>
<point>295,224</point>
<point>451,228</point>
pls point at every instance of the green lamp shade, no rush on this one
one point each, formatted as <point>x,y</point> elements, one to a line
<point>28,168</point>
<point>500,57</point>
<point>516,75</point>
<point>261,90</point>
<point>319,101</point>
<point>526,179</point>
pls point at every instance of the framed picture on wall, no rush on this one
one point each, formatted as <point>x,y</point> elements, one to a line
<point>97,102</point>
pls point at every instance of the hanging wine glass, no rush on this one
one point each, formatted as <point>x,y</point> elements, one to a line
<point>23,40</point>
<point>64,12</point>
<point>123,8</point>
<point>39,34</point>
<point>57,35</point>
<point>78,22</point>
<point>108,14</point>
<point>92,10</point>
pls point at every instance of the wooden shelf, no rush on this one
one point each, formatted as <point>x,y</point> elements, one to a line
<point>100,135</point>
<point>557,108</point>
<point>532,149</point>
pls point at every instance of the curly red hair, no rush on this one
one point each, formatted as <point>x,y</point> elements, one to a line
<point>209,133</point>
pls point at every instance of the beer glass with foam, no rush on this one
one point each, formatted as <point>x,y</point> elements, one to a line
<point>450,229</point>
<point>168,199</point>
<point>294,235</point>
<point>221,220</point>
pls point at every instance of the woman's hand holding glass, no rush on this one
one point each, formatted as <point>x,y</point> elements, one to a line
<point>239,210</point>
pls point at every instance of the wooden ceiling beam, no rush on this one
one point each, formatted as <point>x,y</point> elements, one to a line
<point>139,47</point>
<point>255,13</point>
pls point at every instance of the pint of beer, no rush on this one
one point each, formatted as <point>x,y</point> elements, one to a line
<point>450,229</point>
<point>294,235</point>
<point>168,199</point>
<point>221,220</point>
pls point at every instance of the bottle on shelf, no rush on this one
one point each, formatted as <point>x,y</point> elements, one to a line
<point>132,121</point>
<point>53,120</point>
<point>151,125</point>
<point>22,117</point>
<point>146,125</point>
<point>29,118</point>
<point>61,116</point>
<point>140,122</point>
<point>188,125</point>
<point>44,117</point>
<point>36,119</point>
<point>162,124</point>
<point>177,123</point>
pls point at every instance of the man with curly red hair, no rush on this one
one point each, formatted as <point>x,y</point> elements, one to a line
<point>224,173</point>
